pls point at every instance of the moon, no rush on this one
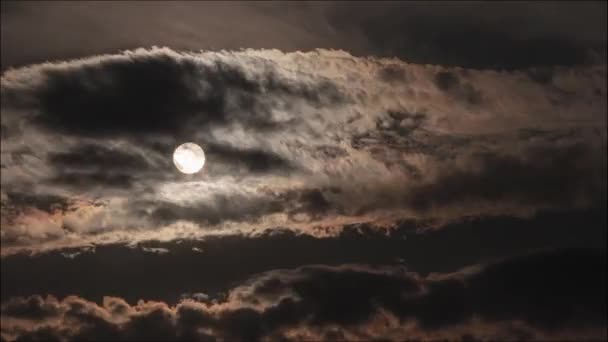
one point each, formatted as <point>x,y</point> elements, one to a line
<point>189,158</point>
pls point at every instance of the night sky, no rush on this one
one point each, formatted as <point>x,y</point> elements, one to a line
<point>374,171</point>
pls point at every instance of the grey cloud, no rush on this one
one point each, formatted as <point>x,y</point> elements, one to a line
<point>401,123</point>
<point>549,175</point>
<point>79,180</point>
<point>240,207</point>
<point>43,202</point>
<point>392,74</point>
<point>220,208</point>
<point>251,160</point>
<point>148,99</point>
<point>329,152</point>
<point>120,166</point>
<point>450,83</point>
<point>97,156</point>
<point>282,129</point>
<point>157,93</point>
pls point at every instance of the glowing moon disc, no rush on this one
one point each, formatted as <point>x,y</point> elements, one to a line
<point>189,158</point>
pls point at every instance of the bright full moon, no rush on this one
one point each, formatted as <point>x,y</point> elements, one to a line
<point>189,158</point>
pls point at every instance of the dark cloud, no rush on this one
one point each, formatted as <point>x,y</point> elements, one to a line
<point>347,296</point>
<point>450,83</point>
<point>478,35</point>
<point>179,25</point>
<point>88,180</point>
<point>542,75</point>
<point>565,180</point>
<point>532,290</point>
<point>151,95</point>
<point>399,132</point>
<point>392,74</point>
<point>572,171</point>
<point>394,135</point>
<point>160,93</point>
<point>42,334</point>
<point>446,80</point>
<point>238,207</point>
<point>401,123</point>
<point>221,208</point>
<point>329,152</point>
<point>313,202</point>
<point>276,128</point>
<point>550,290</point>
<point>507,290</point>
<point>313,158</point>
<point>15,205</point>
<point>250,160</point>
<point>96,165</point>
<point>97,157</point>
<point>6,132</point>
<point>33,307</point>
<point>94,273</point>
<point>44,202</point>
<point>501,35</point>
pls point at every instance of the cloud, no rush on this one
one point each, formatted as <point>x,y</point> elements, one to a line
<point>450,84</point>
<point>97,165</point>
<point>157,92</point>
<point>509,35</point>
<point>497,178</point>
<point>248,160</point>
<point>354,301</point>
<point>97,157</point>
<point>309,141</point>
<point>46,203</point>
<point>89,272</point>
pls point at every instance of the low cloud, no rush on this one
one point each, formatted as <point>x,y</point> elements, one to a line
<point>354,302</point>
<point>88,272</point>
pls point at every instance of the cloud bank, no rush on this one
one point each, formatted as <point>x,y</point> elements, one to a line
<point>506,300</point>
<point>307,141</point>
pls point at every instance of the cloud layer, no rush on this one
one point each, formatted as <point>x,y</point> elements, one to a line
<point>131,272</point>
<point>506,300</point>
<point>308,141</point>
<point>502,35</point>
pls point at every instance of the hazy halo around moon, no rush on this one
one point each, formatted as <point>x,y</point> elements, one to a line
<point>189,158</point>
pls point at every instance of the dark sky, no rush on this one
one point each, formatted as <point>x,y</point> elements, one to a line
<point>374,171</point>
<point>468,34</point>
